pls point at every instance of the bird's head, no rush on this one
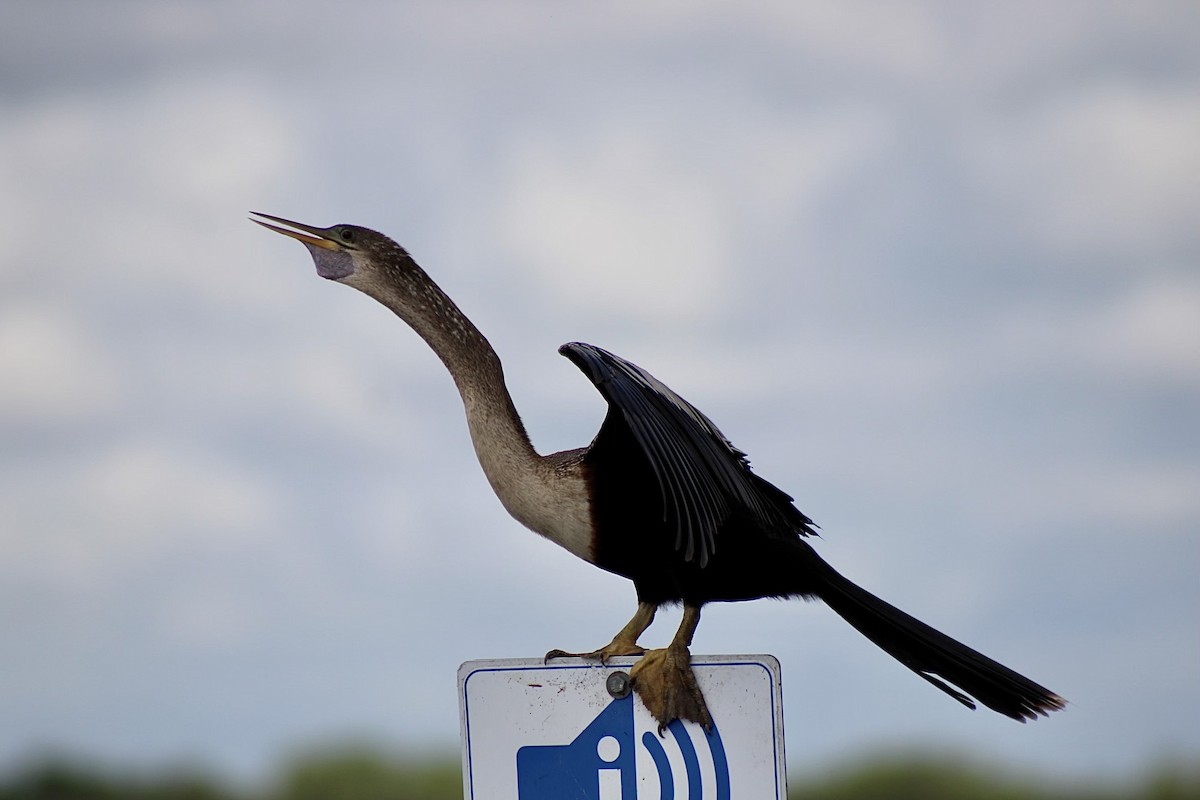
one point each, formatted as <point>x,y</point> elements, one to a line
<point>350,254</point>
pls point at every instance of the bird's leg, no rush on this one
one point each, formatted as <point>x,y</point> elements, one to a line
<point>665,681</point>
<point>624,643</point>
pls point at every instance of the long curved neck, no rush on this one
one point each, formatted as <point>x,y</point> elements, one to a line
<point>540,495</point>
<point>499,437</point>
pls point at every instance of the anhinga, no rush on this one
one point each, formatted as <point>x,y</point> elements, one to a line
<point>660,496</point>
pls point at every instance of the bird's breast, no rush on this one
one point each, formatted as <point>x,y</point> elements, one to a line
<point>550,500</point>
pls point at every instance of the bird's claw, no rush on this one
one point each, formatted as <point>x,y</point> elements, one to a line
<point>617,647</point>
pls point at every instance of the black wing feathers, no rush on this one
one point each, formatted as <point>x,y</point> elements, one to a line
<point>704,480</point>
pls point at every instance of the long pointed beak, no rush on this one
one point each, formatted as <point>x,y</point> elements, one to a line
<point>304,233</point>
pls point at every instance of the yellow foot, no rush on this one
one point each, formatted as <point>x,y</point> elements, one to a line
<point>617,647</point>
<point>665,682</point>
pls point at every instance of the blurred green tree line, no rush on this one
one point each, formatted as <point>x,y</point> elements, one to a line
<point>365,774</point>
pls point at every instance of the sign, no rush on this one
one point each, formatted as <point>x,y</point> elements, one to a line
<point>571,730</point>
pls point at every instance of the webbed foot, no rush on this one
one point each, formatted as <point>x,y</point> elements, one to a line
<point>664,680</point>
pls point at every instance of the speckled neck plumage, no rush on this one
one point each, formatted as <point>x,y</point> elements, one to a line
<point>549,500</point>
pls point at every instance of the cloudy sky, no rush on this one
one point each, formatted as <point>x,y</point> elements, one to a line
<point>935,267</point>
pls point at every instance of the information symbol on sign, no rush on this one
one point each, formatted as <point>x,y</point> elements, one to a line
<point>555,732</point>
<point>602,757</point>
<point>553,771</point>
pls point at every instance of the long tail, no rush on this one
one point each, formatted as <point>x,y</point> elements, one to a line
<point>932,654</point>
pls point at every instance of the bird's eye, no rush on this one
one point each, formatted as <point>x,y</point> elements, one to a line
<point>347,234</point>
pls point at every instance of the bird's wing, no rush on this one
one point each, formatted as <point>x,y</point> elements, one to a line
<point>703,478</point>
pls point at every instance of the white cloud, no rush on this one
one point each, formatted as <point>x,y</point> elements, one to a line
<point>146,487</point>
<point>52,369</point>
<point>104,517</point>
<point>1111,167</point>
<point>1147,331</point>
<point>1154,330</point>
<point>643,219</point>
<point>141,186</point>
<point>1134,495</point>
<point>618,224</point>
<point>207,617</point>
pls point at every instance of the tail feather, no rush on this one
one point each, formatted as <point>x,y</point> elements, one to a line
<point>947,664</point>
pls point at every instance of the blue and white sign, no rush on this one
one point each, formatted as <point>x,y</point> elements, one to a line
<point>534,731</point>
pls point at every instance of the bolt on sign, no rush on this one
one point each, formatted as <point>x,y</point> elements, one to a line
<point>572,729</point>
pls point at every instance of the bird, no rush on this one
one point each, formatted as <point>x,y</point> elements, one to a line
<point>660,496</point>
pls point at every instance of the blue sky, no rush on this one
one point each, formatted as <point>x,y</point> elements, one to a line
<point>935,267</point>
